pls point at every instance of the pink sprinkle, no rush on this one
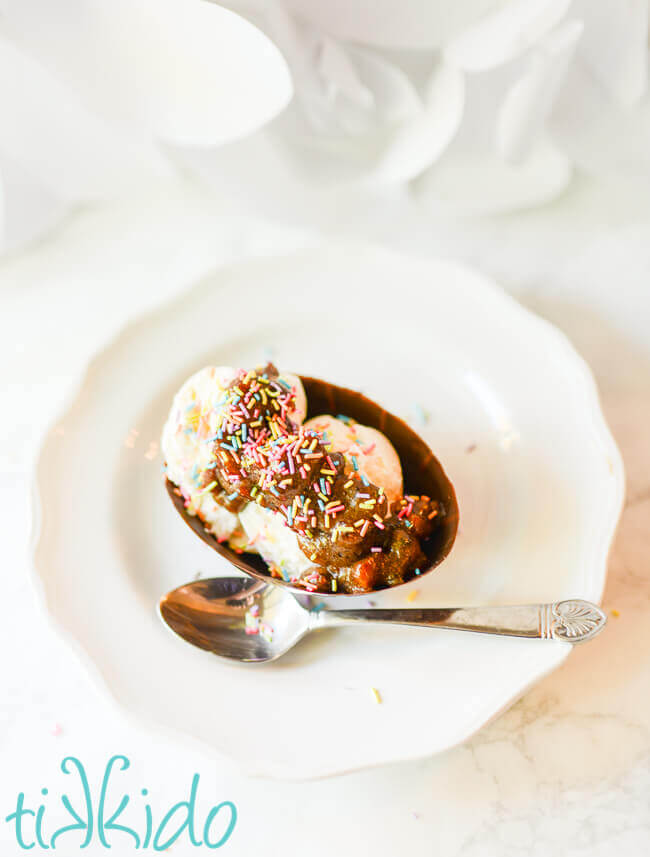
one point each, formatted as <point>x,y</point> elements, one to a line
<point>375,550</point>
<point>57,730</point>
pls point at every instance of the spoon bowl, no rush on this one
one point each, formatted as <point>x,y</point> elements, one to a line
<point>422,472</point>
<point>236,617</point>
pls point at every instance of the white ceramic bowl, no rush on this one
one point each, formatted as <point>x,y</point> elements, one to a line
<point>513,416</point>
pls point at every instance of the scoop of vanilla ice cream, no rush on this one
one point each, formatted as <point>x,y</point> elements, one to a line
<point>192,423</point>
<point>373,453</point>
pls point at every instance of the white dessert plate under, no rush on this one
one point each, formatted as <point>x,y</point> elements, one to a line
<point>510,410</point>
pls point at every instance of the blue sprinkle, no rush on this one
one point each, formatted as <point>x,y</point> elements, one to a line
<point>344,419</point>
<point>417,571</point>
<point>355,463</point>
<point>285,575</point>
<point>364,480</point>
<point>420,414</point>
<point>317,608</point>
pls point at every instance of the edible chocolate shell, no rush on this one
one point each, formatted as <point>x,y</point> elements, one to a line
<point>422,472</point>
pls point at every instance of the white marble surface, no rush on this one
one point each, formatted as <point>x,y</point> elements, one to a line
<point>567,769</point>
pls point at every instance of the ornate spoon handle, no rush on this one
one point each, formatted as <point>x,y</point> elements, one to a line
<point>573,621</point>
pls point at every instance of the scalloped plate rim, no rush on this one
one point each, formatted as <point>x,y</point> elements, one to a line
<point>74,639</point>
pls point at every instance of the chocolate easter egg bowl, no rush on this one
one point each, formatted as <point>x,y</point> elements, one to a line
<point>353,537</point>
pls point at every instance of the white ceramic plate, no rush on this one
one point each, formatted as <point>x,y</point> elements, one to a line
<point>513,415</point>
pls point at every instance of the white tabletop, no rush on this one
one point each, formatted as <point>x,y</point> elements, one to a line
<point>567,769</point>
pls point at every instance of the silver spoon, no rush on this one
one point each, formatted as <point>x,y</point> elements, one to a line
<point>252,621</point>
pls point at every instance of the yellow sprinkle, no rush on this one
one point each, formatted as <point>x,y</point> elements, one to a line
<point>413,594</point>
<point>376,695</point>
<point>615,612</point>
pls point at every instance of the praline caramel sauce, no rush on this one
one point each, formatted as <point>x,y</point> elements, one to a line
<point>357,539</point>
